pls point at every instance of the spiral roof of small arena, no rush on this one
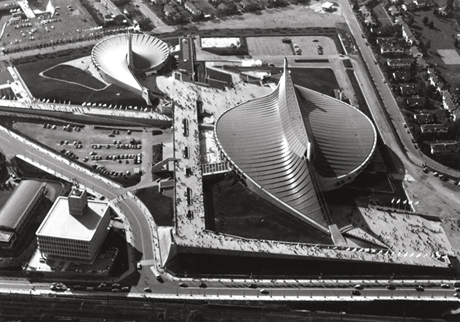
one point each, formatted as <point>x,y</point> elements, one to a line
<point>284,140</point>
<point>112,56</point>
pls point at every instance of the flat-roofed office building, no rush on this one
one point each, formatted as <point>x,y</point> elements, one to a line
<point>74,228</point>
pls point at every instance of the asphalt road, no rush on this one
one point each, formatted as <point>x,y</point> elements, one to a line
<point>390,121</point>
<point>143,238</point>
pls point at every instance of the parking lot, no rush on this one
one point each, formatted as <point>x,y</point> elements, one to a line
<point>112,152</point>
<point>274,46</point>
<point>71,20</point>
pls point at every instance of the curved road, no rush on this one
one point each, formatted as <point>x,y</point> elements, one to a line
<point>394,134</point>
<point>143,238</point>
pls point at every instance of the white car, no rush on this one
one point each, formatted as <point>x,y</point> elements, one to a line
<point>139,266</point>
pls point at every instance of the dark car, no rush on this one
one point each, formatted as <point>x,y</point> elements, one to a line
<point>183,285</point>
<point>252,285</point>
<point>264,291</point>
<point>391,287</point>
<point>202,285</point>
<point>420,288</point>
<point>355,292</point>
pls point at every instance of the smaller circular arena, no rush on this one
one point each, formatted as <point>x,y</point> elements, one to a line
<point>121,57</point>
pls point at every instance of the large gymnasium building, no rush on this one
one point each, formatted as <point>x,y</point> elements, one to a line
<point>295,143</point>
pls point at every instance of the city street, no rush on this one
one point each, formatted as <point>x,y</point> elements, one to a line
<point>391,127</point>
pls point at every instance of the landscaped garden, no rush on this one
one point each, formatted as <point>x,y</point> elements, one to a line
<point>58,90</point>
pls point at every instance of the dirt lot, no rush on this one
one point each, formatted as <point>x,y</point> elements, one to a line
<point>273,46</point>
<point>294,16</point>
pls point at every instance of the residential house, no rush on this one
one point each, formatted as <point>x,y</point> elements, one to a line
<point>424,118</point>
<point>367,15</point>
<point>170,10</point>
<point>391,50</point>
<point>421,62</point>
<point>399,62</point>
<point>192,8</point>
<point>444,147</point>
<point>421,3</point>
<point>394,11</point>
<point>222,7</point>
<point>408,35</point>
<point>398,20</point>
<point>402,75</point>
<point>387,41</point>
<point>437,81</point>
<point>455,114</point>
<point>433,129</point>
<point>432,77</point>
<point>410,6</point>
<point>409,89</point>
<point>448,102</point>
<point>415,101</point>
<point>415,52</point>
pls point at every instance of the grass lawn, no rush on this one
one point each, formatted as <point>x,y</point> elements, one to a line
<point>71,74</point>
<point>439,38</point>
<point>318,79</point>
<point>238,211</point>
<point>42,87</point>
<point>160,205</point>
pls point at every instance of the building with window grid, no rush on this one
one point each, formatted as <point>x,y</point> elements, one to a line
<point>74,228</point>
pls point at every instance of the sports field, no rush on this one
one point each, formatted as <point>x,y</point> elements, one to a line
<point>449,56</point>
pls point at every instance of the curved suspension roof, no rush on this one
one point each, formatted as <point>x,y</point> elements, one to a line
<point>270,140</point>
<point>344,137</point>
<point>113,56</point>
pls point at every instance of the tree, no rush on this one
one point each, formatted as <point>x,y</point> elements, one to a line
<point>425,21</point>
<point>410,20</point>
<point>146,24</point>
<point>456,42</point>
<point>431,25</point>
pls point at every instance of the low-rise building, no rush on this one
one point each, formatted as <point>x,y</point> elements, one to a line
<point>402,75</point>
<point>424,118</point>
<point>16,213</point>
<point>415,52</point>
<point>455,114</point>
<point>433,129</point>
<point>74,228</point>
<point>192,8</point>
<point>399,63</point>
<point>409,89</point>
<point>367,15</point>
<point>398,20</point>
<point>409,6</point>
<point>394,11</point>
<point>408,35</point>
<point>391,50</point>
<point>415,101</point>
<point>444,147</point>
<point>387,41</point>
<point>447,101</point>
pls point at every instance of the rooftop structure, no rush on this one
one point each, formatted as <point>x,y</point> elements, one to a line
<point>17,210</point>
<point>122,58</point>
<point>295,143</point>
<point>74,227</point>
